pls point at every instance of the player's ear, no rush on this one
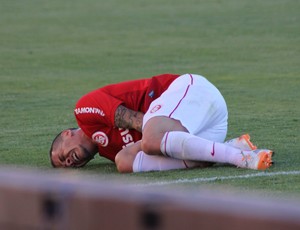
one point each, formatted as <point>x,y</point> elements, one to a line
<point>66,133</point>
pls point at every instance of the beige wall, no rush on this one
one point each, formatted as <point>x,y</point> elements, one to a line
<point>62,200</point>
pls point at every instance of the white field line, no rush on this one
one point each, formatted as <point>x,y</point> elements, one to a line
<point>221,178</point>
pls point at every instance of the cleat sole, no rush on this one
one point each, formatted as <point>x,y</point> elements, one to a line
<point>265,161</point>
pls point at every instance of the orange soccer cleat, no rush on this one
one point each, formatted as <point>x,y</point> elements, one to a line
<point>243,142</point>
<point>259,159</point>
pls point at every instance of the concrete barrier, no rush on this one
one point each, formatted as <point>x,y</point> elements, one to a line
<point>33,199</point>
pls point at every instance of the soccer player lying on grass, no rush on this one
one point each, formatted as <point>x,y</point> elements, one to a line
<point>161,123</point>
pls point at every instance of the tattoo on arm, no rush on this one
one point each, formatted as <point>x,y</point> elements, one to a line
<point>128,119</point>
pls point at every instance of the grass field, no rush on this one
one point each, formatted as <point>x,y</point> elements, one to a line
<point>52,52</point>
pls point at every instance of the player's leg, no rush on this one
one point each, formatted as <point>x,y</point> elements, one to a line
<point>207,146</point>
<point>185,146</point>
<point>131,159</point>
<point>182,145</point>
<point>163,135</point>
<point>145,163</point>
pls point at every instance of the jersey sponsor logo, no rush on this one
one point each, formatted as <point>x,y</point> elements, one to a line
<point>155,109</point>
<point>89,110</point>
<point>100,138</point>
<point>126,137</point>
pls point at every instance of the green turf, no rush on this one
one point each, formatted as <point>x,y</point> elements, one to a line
<point>54,51</point>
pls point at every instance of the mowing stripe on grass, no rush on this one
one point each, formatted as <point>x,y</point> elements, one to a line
<point>221,178</point>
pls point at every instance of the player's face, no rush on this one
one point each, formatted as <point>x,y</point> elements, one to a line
<point>72,151</point>
<point>75,156</point>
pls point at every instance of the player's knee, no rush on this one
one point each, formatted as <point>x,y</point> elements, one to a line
<point>122,165</point>
<point>150,146</point>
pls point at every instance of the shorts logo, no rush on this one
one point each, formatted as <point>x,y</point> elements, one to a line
<point>213,150</point>
<point>155,109</point>
<point>100,138</point>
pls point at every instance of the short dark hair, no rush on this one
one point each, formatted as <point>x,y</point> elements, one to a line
<point>55,140</point>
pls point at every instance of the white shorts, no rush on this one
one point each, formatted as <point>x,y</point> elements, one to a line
<point>196,103</point>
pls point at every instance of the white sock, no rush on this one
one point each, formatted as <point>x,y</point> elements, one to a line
<point>185,146</point>
<point>145,163</point>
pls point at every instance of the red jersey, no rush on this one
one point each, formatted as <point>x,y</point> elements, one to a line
<point>95,111</point>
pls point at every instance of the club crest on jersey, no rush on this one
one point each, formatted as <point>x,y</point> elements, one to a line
<point>155,108</point>
<point>100,138</point>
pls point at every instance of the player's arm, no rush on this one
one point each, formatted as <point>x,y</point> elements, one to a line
<point>128,119</point>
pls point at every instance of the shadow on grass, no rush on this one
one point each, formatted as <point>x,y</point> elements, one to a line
<point>104,167</point>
